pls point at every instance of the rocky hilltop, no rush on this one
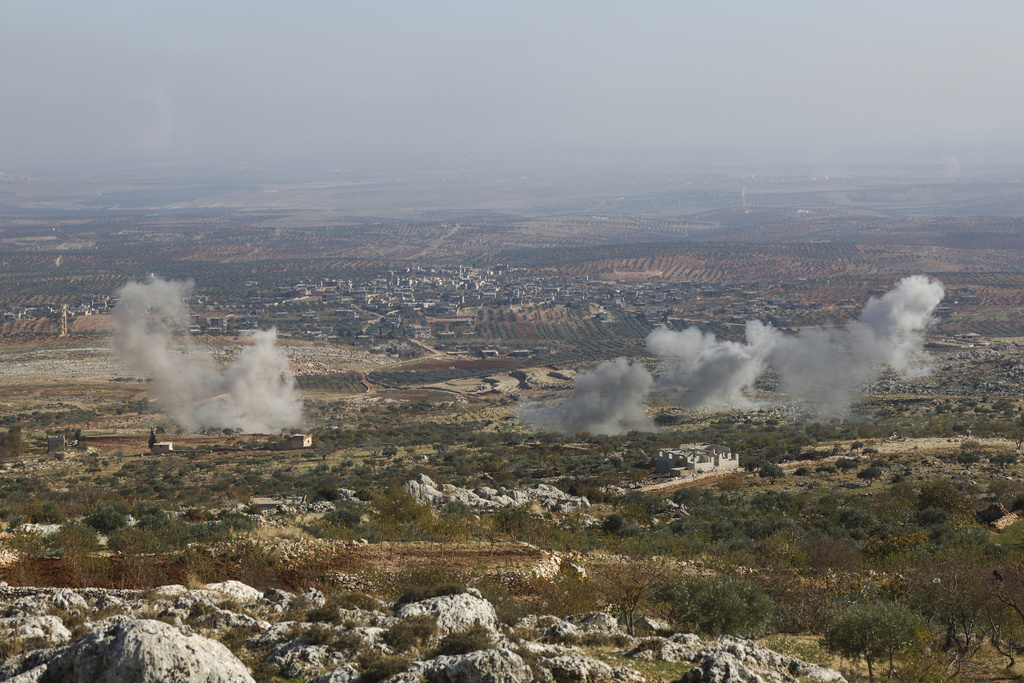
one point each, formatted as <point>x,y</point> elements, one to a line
<point>232,632</point>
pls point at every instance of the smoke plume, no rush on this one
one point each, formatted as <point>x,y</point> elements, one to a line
<point>820,367</point>
<point>255,393</point>
<point>608,400</point>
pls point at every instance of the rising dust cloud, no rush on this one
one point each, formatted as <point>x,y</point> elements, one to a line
<point>823,367</point>
<point>256,393</point>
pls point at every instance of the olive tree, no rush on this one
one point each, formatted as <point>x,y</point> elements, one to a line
<point>871,631</point>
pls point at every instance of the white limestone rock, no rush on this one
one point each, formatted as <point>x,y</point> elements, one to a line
<point>300,659</point>
<point>595,620</point>
<point>482,666</point>
<point>742,655</point>
<point>237,591</point>
<point>145,651</point>
<point>454,612</point>
<point>345,673</point>
<point>424,490</point>
<point>43,629</point>
<point>577,669</point>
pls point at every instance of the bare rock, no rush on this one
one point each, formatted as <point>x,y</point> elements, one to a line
<point>111,603</point>
<point>63,599</point>
<point>342,674</point>
<point>482,666</point>
<point>235,590</point>
<point>682,647</point>
<point>424,490</point>
<point>739,657</point>
<point>312,598</point>
<point>46,630</point>
<point>69,601</point>
<point>276,595</point>
<point>722,667</point>
<point>562,631</point>
<point>454,612</point>
<point>145,651</point>
<point>280,632</point>
<point>577,669</point>
<point>300,659</point>
<point>595,620</point>
<point>223,618</point>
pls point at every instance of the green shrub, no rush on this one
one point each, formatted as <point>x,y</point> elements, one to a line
<point>347,514</point>
<point>464,642</point>
<point>414,631</point>
<point>49,513</point>
<point>106,516</point>
<point>872,631</point>
<point>620,525</point>
<point>718,605</point>
<point>428,582</point>
<point>377,667</point>
<point>74,539</point>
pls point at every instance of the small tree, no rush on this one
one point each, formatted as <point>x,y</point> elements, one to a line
<point>771,473</point>
<point>869,474</point>
<point>13,442</point>
<point>717,605</point>
<point>629,584</point>
<point>1004,458</point>
<point>106,516</point>
<point>970,452</point>
<point>871,631</point>
<point>846,464</point>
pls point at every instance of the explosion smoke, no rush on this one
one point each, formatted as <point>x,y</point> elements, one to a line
<point>608,400</point>
<point>820,366</point>
<point>255,393</point>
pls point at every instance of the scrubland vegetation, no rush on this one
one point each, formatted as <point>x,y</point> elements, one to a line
<point>845,526</point>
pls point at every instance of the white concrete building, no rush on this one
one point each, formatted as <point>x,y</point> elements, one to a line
<point>696,457</point>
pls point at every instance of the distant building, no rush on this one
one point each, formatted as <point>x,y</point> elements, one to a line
<point>696,457</point>
<point>293,442</point>
<point>162,447</point>
<point>56,443</point>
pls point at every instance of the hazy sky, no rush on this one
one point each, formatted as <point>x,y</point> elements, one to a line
<point>193,82</point>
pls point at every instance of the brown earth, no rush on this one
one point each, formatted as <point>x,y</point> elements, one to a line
<point>145,571</point>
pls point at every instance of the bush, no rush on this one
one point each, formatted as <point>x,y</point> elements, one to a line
<point>74,539</point>
<point>476,638</point>
<point>716,606</point>
<point>49,513</point>
<point>619,525</point>
<point>377,667</point>
<point>414,631</point>
<point>107,516</point>
<point>428,582</point>
<point>346,514</point>
<point>846,464</point>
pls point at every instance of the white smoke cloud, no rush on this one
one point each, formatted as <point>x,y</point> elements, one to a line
<point>255,393</point>
<point>606,401</point>
<point>820,367</point>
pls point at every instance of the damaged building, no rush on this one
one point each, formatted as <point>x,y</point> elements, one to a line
<point>696,457</point>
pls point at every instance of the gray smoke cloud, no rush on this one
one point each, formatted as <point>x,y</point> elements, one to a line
<point>255,393</point>
<point>608,400</point>
<point>820,367</point>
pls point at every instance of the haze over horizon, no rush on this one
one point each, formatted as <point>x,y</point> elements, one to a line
<point>256,82</point>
